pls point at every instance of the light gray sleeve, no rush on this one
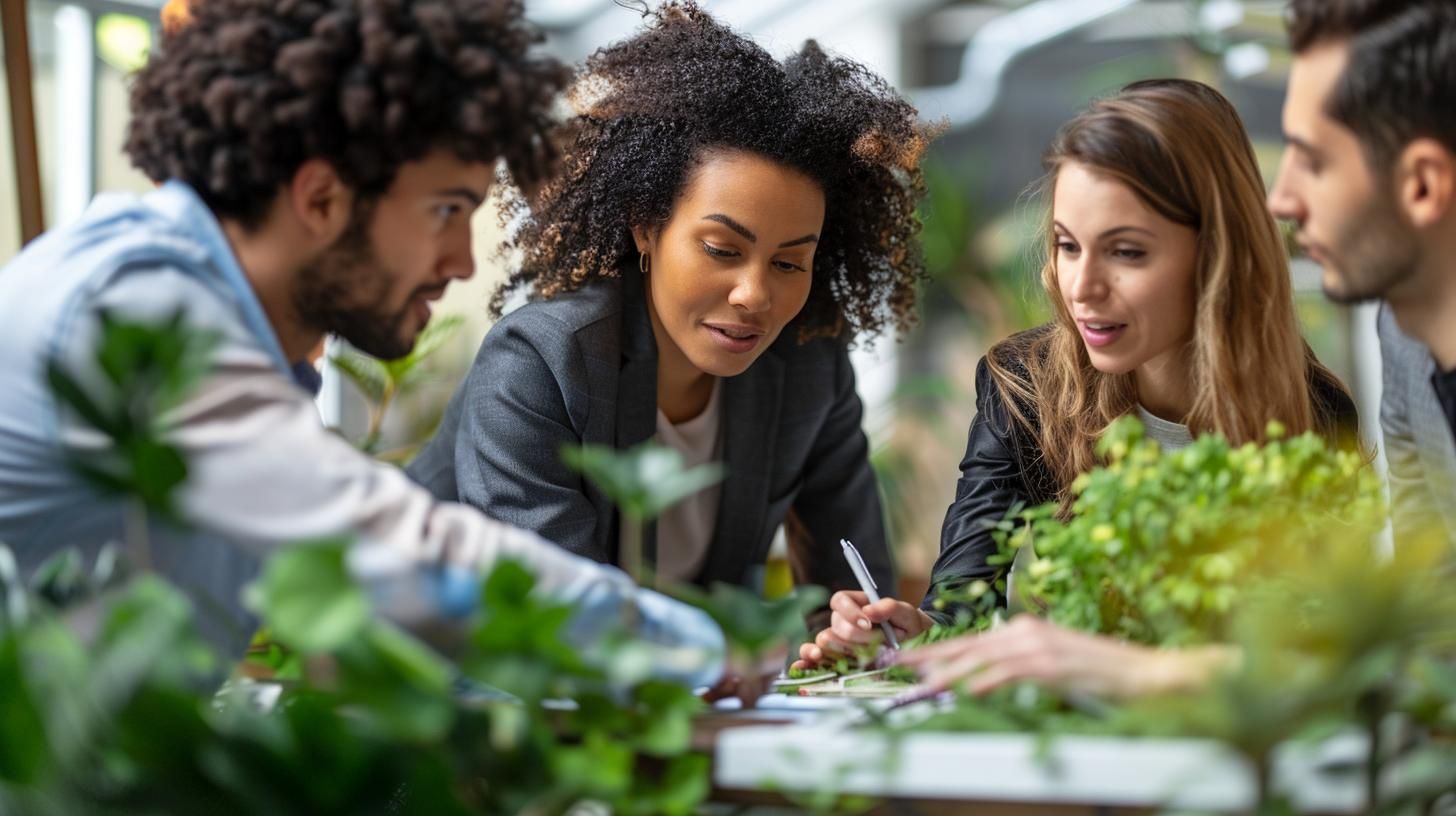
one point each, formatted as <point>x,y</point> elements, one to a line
<point>1410,498</point>
<point>264,473</point>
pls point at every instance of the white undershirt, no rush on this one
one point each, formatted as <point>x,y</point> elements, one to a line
<point>685,530</point>
<point>1170,435</point>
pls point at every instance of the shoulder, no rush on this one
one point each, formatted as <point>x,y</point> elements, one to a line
<point>1401,355</point>
<point>586,321</point>
<point>1006,372</point>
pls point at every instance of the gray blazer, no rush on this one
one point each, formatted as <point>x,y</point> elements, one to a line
<point>1418,441</point>
<point>582,367</point>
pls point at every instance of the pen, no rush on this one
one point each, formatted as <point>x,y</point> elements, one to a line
<point>867,583</point>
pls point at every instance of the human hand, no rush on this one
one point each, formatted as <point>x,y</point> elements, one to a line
<point>854,623</point>
<point>748,678</point>
<point>1030,648</point>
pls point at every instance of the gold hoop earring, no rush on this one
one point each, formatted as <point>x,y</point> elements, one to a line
<point>644,263</point>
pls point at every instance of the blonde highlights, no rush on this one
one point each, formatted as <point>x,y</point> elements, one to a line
<point>1182,150</point>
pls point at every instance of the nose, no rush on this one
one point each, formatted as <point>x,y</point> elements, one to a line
<point>1086,281</point>
<point>751,291</point>
<point>457,261</point>
<point>1283,202</point>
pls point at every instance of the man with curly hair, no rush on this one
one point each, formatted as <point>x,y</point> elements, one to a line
<point>318,163</point>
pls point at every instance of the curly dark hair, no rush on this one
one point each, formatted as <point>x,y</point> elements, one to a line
<point>652,108</point>
<point>236,100</point>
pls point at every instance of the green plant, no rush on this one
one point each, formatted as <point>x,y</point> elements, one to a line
<point>382,381</point>
<point>119,716</point>
<point>144,370</point>
<point>1268,548</point>
<point>111,703</point>
<point>643,482</point>
<point>1159,544</point>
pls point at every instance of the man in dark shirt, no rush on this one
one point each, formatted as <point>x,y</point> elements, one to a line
<point>1369,179</point>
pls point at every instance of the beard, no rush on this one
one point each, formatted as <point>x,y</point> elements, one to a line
<point>346,292</point>
<point>1376,254</point>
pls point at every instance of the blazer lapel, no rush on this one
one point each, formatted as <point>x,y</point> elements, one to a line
<point>637,385</point>
<point>750,406</point>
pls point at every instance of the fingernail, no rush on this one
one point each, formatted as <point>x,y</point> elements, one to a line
<point>864,624</point>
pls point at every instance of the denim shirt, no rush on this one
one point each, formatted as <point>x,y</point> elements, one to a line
<point>263,471</point>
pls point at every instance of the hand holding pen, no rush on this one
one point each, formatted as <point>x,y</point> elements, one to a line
<point>854,624</point>
<point>867,585</point>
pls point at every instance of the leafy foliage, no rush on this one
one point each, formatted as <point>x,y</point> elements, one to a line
<point>1269,548</point>
<point>144,371</point>
<point>643,482</point>
<point>381,381</point>
<point>1160,545</point>
<point>118,716</point>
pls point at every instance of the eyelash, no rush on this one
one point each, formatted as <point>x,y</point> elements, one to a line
<point>719,252</point>
<point>1126,254</point>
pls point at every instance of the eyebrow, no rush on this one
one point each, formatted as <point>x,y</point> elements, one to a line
<point>466,193</point>
<point>1111,232</point>
<point>733,225</point>
<point>1302,145</point>
<point>728,222</point>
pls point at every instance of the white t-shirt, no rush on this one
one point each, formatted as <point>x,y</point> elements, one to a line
<point>1170,435</point>
<point>686,529</point>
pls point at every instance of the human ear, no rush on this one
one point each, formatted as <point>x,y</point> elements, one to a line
<point>643,239</point>
<point>320,201</point>
<point>1427,182</point>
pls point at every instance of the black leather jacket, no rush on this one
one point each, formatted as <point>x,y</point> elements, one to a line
<point>1003,468</point>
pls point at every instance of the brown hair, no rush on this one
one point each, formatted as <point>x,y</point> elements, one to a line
<point>1399,83</point>
<point>1181,148</point>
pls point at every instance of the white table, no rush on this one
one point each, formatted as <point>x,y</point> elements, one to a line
<point>1080,774</point>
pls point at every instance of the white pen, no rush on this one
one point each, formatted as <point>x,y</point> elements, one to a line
<point>867,583</point>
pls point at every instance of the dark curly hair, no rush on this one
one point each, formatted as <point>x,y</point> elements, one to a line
<point>651,108</point>
<point>236,100</point>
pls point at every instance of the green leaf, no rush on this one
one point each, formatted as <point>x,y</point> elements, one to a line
<point>24,751</point>
<point>368,374</point>
<point>308,600</point>
<point>749,623</point>
<point>70,394</point>
<point>643,481</point>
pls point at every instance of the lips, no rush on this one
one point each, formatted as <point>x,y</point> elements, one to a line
<point>1099,333</point>
<point>420,303</point>
<point>738,338</point>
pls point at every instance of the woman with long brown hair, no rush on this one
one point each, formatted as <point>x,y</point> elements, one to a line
<point>1173,302</point>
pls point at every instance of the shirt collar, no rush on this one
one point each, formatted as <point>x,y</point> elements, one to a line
<point>180,203</point>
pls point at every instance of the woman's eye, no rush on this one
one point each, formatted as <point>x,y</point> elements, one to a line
<point>1066,247</point>
<point>446,211</point>
<point>787,266</point>
<point>718,252</point>
<point>1128,253</point>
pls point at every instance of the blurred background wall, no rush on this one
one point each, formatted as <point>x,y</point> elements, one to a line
<point>1003,74</point>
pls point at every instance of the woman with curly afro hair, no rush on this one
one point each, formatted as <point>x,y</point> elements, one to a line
<point>725,224</point>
